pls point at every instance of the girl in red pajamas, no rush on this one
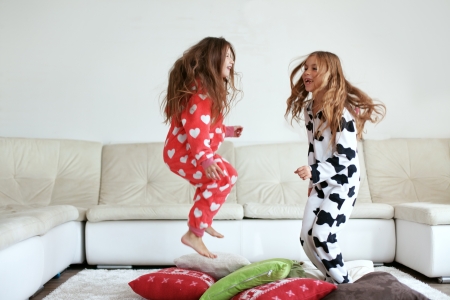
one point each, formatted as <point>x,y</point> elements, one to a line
<point>200,91</point>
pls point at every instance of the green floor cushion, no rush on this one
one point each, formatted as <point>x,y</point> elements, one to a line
<point>247,277</point>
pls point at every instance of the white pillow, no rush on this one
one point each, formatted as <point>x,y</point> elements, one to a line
<point>221,266</point>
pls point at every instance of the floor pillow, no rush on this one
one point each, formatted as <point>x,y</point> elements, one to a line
<point>247,277</point>
<point>289,288</point>
<point>172,283</point>
<point>219,267</point>
<point>375,285</point>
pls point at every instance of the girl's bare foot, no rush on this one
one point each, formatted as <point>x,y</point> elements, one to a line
<point>196,243</point>
<point>211,231</point>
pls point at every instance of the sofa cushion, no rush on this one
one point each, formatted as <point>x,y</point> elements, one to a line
<point>228,211</point>
<point>372,211</point>
<point>425,213</point>
<point>40,172</point>
<point>408,170</point>
<point>267,174</point>
<point>295,211</point>
<point>137,174</point>
<point>21,224</point>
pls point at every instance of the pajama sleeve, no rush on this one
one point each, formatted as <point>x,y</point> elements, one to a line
<point>196,120</point>
<point>229,131</point>
<point>343,157</point>
<point>309,131</point>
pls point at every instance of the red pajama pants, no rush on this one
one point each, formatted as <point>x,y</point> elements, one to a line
<point>209,195</point>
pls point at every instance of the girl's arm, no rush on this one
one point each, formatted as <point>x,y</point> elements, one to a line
<point>343,158</point>
<point>196,120</point>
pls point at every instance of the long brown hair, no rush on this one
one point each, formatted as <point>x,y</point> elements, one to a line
<point>338,93</point>
<point>202,62</point>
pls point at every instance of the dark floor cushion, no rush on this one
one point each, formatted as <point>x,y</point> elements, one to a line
<point>375,285</point>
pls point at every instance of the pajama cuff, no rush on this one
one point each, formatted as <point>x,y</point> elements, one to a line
<point>229,131</point>
<point>206,163</point>
<point>196,231</point>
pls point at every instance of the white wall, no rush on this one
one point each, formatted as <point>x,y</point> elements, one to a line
<point>95,69</point>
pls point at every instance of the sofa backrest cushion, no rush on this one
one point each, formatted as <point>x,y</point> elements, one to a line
<point>408,170</point>
<point>41,172</point>
<point>266,174</point>
<point>134,174</point>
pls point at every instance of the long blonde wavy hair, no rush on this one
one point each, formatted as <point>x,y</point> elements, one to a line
<point>201,65</point>
<point>338,93</point>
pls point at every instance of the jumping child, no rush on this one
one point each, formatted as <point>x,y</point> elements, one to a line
<point>199,95</point>
<point>335,116</point>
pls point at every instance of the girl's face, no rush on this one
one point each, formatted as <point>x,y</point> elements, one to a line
<point>311,77</point>
<point>227,64</point>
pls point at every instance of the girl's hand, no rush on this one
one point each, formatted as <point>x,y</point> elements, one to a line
<point>214,172</point>
<point>238,130</point>
<point>303,172</point>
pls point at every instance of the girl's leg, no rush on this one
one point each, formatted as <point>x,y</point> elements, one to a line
<point>331,219</point>
<point>309,218</point>
<point>209,197</point>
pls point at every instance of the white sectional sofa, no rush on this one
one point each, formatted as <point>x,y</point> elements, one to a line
<point>135,209</point>
<point>46,187</point>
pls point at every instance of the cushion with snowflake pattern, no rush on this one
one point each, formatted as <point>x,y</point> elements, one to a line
<point>172,283</point>
<point>289,288</point>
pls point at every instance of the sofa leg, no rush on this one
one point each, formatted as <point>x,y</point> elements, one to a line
<point>113,267</point>
<point>375,264</point>
<point>444,279</point>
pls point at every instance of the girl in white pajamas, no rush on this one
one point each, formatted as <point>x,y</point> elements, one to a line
<point>334,117</point>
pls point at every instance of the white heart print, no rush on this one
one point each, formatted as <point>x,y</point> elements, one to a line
<point>218,130</point>
<point>205,118</point>
<point>200,154</point>
<point>207,194</point>
<point>202,96</point>
<point>194,162</point>
<point>175,130</point>
<point>214,206</point>
<point>183,159</point>
<point>206,142</point>
<point>181,138</point>
<point>183,121</point>
<point>197,198</point>
<point>222,188</point>
<point>212,186</point>
<point>233,179</point>
<point>197,213</point>
<point>203,225</point>
<point>171,153</point>
<point>188,146</point>
<point>181,172</point>
<point>193,109</point>
<point>197,175</point>
<point>209,155</point>
<point>194,132</point>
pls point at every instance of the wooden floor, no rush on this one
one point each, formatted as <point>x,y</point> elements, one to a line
<point>74,269</point>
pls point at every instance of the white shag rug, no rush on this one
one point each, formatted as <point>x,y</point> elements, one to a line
<point>91,284</point>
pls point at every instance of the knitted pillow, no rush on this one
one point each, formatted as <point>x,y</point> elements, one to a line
<point>289,288</point>
<point>172,283</point>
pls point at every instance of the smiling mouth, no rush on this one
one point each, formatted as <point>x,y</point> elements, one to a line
<point>308,81</point>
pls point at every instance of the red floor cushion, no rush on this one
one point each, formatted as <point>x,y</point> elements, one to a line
<point>172,283</point>
<point>289,288</point>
